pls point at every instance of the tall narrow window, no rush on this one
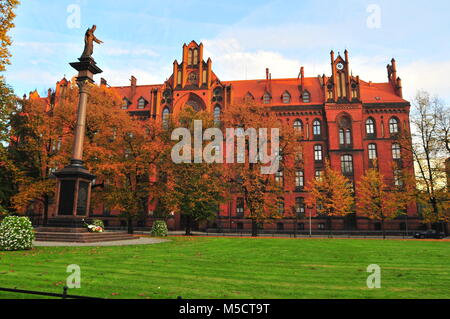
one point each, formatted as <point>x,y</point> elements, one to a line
<point>299,179</point>
<point>347,164</point>
<point>280,205</point>
<point>341,136</point>
<point>190,57</point>
<point>240,207</point>
<point>370,126</point>
<point>195,62</point>
<point>396,151</point>
<point>299,206</point>
<point>348,136</point>
<point>316,128</point>
<point>318,156</point>
<point>393,125</point>
<point>279,179</point>
<point>217,112</point>
<point>372,148</point>
<point>165,118</point>
<point>398,177</point>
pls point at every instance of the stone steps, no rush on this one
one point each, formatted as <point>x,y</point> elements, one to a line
<point>61,230</point>
<point>84,237</point>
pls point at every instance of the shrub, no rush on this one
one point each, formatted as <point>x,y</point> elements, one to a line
<point>159,228</point>
<point>16,233</point>
<point>98,222</point>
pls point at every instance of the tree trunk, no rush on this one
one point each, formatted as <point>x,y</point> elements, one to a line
<point>382,228</point>
<point>188,226</point>
<point>330,226</point>
<point>130,225</point>
<point>45,219</point>
<point>254,228</point>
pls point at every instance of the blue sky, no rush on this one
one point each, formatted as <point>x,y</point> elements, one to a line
<point>142,38</point>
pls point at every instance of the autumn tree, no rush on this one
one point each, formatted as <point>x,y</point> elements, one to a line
<point>260,179</point>
<point>7,100</point>
<point>7,16</point>
<point>429,146</point>
<point>332,194</point>
<point>124,157</point>
<point>192,189</point>
<point>377,200</point>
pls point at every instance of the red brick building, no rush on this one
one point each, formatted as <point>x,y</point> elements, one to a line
<point>345,119</point>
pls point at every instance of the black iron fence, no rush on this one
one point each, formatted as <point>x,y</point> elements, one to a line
<point>63,295</point>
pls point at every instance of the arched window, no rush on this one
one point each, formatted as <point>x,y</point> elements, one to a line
<point>141,103</point>
<point>286,97</point>
<point>372,148</point>
<point>393,125</point>
<point>318,156</point>
<point>316,128</point>
<point>165,118</point>
<point>299,179</point>
<point>306,97</point>
<point>266,98</point>
<point>217,112</point>
<point>370,126</point>
<point>345,131</point>
<point>347,164</point>
<point>396,151</point>
<point>298,125</point>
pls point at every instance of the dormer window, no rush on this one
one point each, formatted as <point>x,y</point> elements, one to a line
<point>266,98</point>
<point>248,97</point>
<point>141,103</point>
<point>125,104</point>
<point>306,97</point>
<point>286,97</point>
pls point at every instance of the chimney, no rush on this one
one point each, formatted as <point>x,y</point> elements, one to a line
<point>133,81</point>
<point>346,55</point>
<point>332,56</point>
<point>302,76</point>
<point>394,69</point>
<point>103,82</point>
<point>267,73</point>
<point>399,87</point>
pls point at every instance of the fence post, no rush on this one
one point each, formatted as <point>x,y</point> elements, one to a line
<point>64,295</point>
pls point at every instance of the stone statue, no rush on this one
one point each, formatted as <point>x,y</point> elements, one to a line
<point>89,39</point>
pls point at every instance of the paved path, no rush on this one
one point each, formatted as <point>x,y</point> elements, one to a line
<point>138,241</point>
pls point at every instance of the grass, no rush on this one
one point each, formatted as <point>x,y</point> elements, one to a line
<point>237,268</point>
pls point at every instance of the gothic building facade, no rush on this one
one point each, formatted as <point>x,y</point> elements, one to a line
<point>345,119</point>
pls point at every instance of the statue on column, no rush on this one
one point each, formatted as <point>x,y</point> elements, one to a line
<point>89,40</point>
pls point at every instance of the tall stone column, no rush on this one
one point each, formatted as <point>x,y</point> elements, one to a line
<point>74,181</point>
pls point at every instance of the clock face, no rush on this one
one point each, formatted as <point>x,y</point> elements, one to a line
<point>339,66</point>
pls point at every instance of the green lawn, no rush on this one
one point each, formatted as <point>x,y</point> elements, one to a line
<point>237,268</point>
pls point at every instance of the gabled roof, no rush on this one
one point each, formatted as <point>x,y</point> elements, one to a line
<point>379,93</point>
